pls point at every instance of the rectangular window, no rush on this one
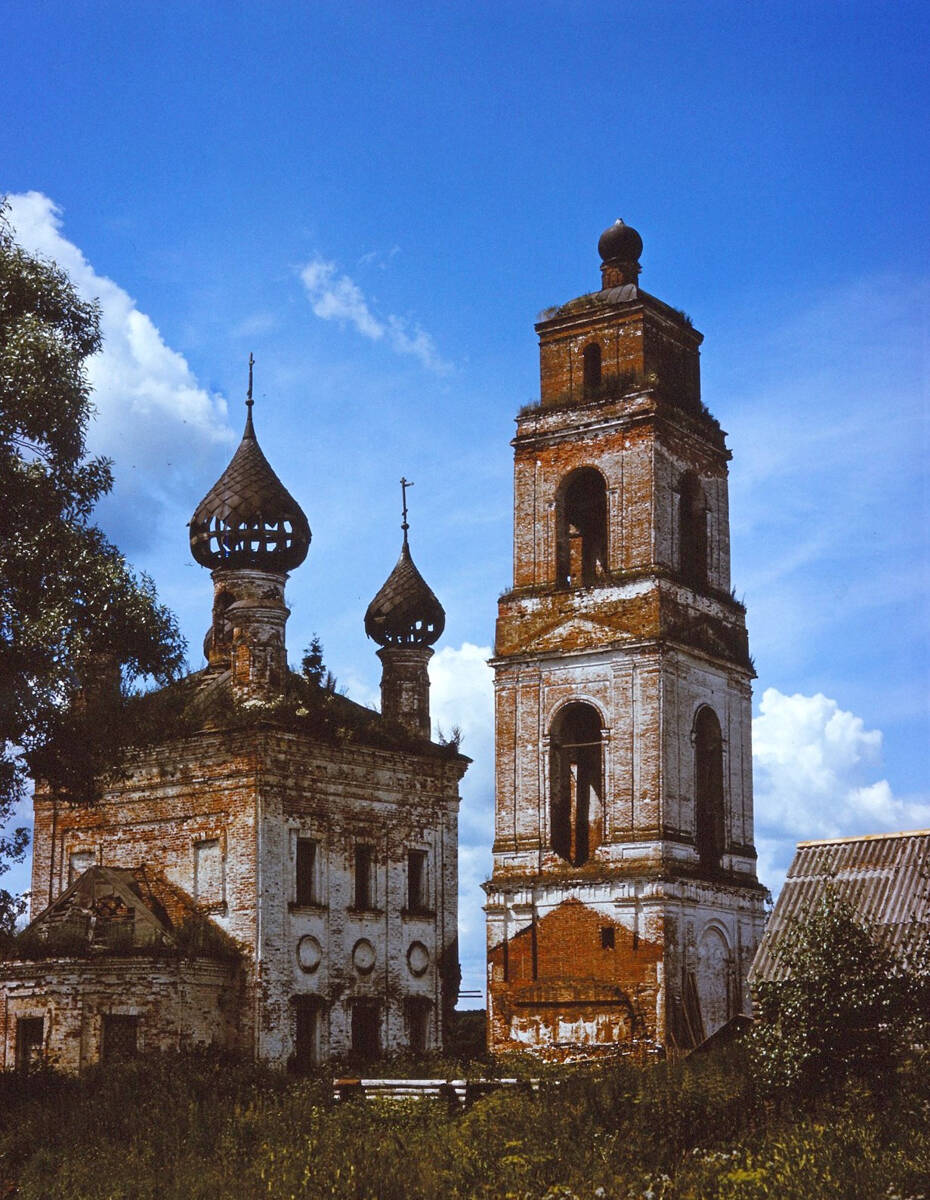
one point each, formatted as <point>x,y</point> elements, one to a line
<point>80,861</point>
<point>307,891</point>
<point>417,894</point>
<point>30,1042</point>
<point>607,937</point>
<point>417,1010</point>
<point>209,872</point>
<point>363,877</point>
<point>307,1017</point>
<point>366,1029</point>
<point>120,1037</point>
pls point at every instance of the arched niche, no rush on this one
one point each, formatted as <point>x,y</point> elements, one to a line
<point>708,788</point>
<point>576,772</point>
<point>692,529</point>
<point>581,528</point>
<point>714,979</point>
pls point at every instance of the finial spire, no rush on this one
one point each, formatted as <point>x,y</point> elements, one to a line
<point>404,484</point>
<point>248,399</point>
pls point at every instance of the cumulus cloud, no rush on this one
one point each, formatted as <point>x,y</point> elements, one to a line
<point>153,418</point>
<point>462,696</point>
<point>814,766</point>
<point>335,297</point>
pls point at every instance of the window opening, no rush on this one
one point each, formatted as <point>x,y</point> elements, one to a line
<point>708,780</point>
<point>307,891</point>
<point>575,773</point>
<point>417,898</point>
<point>30,1042</point>
<point>80,861</point>
<point>608,940</point>
<point>120,1037</point>
<point>581,516</point>
<point>592,368</point>
<point>363,873</point>
<point>307,1022</point>
<point>366,1034</point>
<point>418,1010</point>
<point>692,529</point>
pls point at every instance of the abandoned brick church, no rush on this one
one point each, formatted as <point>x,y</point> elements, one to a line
<point>278,875</point>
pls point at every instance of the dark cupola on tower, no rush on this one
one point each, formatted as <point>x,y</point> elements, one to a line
<point>405,618</point>
<point>250,531</point>
<point>619,247</point>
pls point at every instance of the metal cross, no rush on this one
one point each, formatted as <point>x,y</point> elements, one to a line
<point>248,399</point>
<point>404,484</point>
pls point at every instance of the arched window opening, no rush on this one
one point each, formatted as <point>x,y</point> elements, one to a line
<point>708,788</point>
<point>581,513</point>
<point>692,529</point>
<point>592,368</point>
<point>575,783</point>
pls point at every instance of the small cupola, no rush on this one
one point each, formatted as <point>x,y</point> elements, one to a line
<point>619,247</point>
<point>249,518</point>
<point>405,619</point>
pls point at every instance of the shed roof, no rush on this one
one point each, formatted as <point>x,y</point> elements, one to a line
<point>884,877</point>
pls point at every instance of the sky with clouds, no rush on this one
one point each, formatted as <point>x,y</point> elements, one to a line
<point>378,201</point>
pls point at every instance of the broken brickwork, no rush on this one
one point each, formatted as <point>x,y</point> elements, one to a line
<point>623,852</point>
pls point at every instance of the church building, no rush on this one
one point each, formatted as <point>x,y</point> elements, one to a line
<point>275,872</point>
<point>623,911</point>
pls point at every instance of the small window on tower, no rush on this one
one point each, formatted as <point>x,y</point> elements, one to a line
<point>307,890</point>
<point>607,937</point>
<point>592,368</point>
<point>417,895</point>
<point>364,861</point>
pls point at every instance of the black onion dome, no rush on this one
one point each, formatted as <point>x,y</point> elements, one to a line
<point>249,518</point>
<point>621,242</point>
<point>405,612</point>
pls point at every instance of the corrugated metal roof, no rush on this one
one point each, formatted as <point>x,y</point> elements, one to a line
<point>885,878</point>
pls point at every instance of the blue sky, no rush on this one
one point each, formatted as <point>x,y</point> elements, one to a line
<point>378,200</point>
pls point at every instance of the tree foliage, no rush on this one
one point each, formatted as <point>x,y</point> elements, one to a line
<point>75,621</point>
<point>843,1006</point>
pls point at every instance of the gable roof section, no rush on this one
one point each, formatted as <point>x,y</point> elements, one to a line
<point>884,877</point>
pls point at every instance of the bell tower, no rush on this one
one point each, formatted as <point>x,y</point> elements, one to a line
<point>623,909</point>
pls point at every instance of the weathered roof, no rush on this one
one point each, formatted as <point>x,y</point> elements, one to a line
<point>884,877</point>
<point>249,518</point>
<point>124,910</point>
<point>405,611</point>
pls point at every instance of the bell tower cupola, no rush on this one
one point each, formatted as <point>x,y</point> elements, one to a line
<point>250,532</point>
<point>405,618</point>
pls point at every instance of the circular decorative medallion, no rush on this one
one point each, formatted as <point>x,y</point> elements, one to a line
<point>309,953</point>
<point>417,958</point>
<point>363,955</point>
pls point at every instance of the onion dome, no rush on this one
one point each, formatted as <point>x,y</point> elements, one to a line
<point>405,612</point>
<point>249,518</point>
<point>620,243</point>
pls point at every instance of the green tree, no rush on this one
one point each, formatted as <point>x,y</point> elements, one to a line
<point>75,622</point>
<point>842,1005</point>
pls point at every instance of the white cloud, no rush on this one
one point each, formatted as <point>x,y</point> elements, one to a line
<point>152,416</point>
<point>812,766</point>
<point>336,297</point>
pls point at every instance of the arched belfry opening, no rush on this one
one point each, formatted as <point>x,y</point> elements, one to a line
<point>581,528</point>
<point>692,529</point>
<point>576,782</point>
<point>592,368</point>
<point>708,788</point>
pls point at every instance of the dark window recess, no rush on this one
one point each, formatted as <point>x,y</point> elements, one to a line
<point>363,870</point>
<point>581,528</point>
<point>575,812</point>
<point>417,899</point>
<point>418,1014</point>
<point>307,1017</point>
<point>366,1034</point>
<point>306,871</point>
<point>120,1037</point>
<point>708,777</point>
<point>608,939</point>
<point>692,530</point>
<point>30,1042</point>
<point>592,368</point>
